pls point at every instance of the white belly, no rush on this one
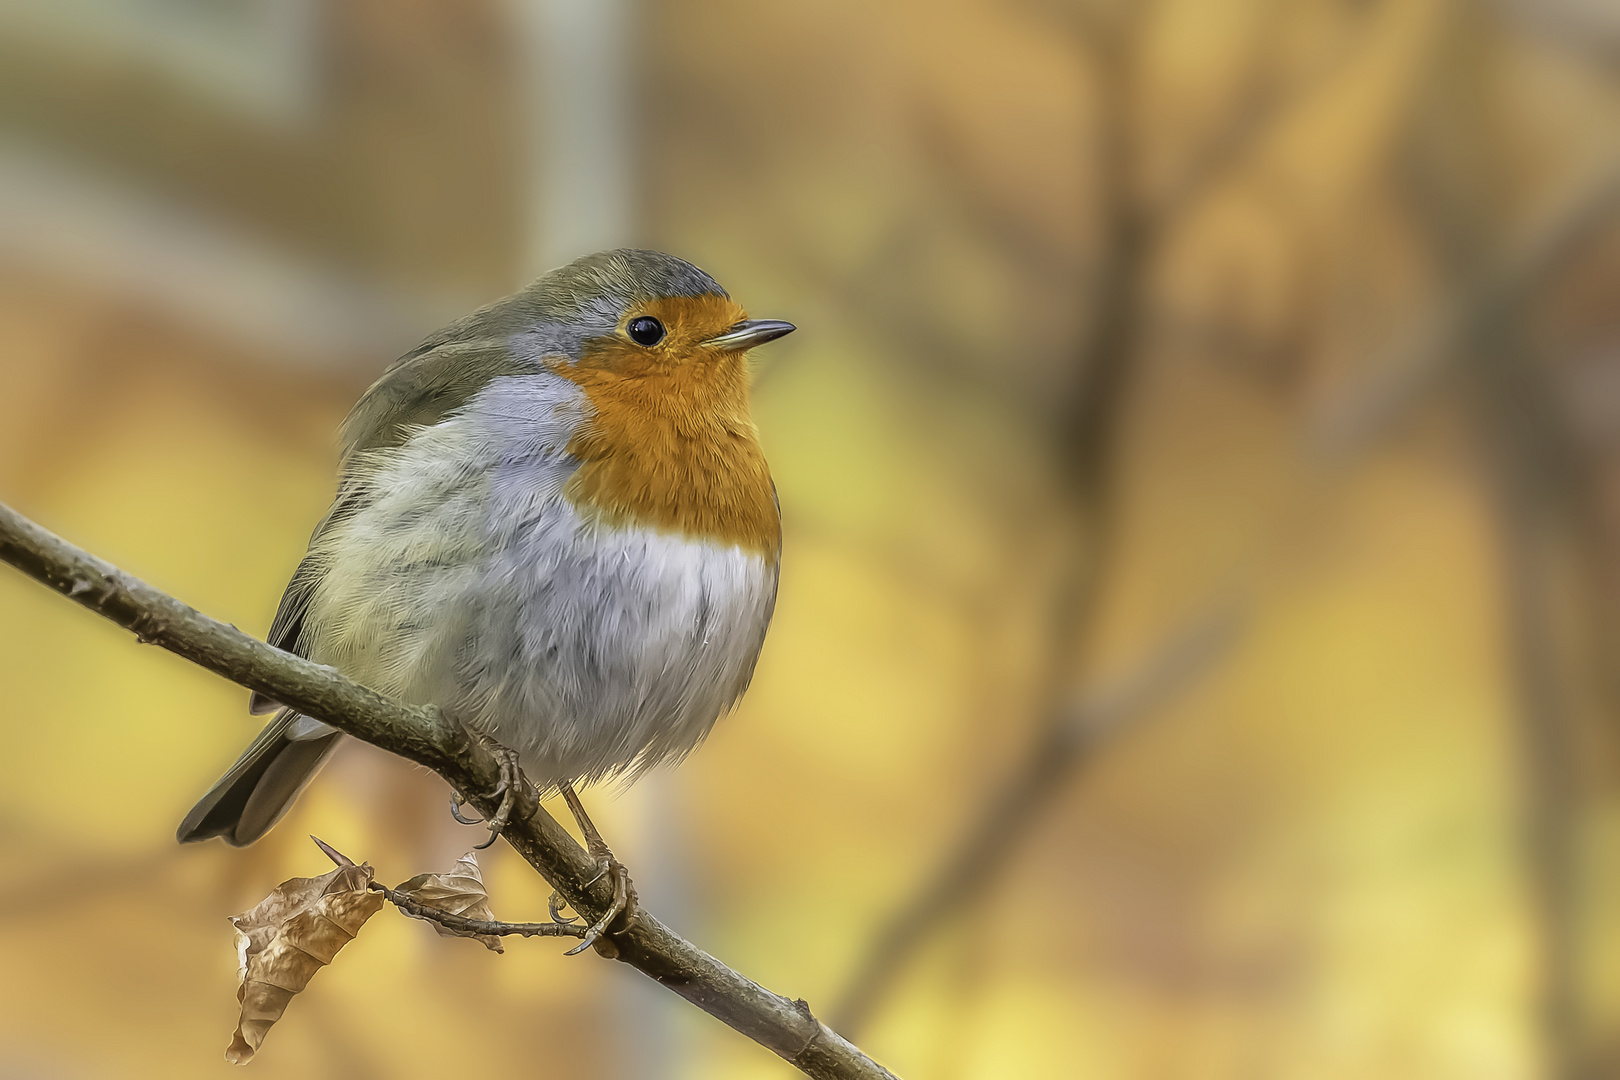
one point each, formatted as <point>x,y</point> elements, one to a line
<point>468,581</point>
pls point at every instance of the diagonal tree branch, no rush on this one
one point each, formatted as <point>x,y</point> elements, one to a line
<point>428,738</point>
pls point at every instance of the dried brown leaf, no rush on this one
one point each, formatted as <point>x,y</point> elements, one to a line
<point>458,891</point>
<point>290,935</point>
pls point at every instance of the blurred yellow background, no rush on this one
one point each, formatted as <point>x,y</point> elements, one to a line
<point>1200,467</point>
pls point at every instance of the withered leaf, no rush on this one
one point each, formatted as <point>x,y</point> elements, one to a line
<point>458,891</point>
<point>291,934</point>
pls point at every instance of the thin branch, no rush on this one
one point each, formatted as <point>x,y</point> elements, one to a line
<point>466,927</point>
<point>1588,31</point>
<point>1083,23</point>
<point>1022,233</point>
<point>428,738</point>
<point>1415,362</point>
<point>459,924</point>
<point>1263,103</point>
<point>971,866</point>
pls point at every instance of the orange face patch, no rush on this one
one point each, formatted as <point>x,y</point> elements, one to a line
<point>669,444</point>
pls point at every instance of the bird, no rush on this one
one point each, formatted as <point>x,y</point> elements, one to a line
<point>554,521</point>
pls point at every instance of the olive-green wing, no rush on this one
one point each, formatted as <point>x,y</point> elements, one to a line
<point>419,389</point>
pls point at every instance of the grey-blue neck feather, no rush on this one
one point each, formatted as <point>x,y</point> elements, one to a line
<point>552,317</point>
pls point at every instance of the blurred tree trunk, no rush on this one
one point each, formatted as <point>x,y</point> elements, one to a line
<point>1460,179</point>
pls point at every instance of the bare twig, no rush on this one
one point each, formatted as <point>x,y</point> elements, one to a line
<point>458,924</point>
<point>466,927</point>
<point>1085,23</point>
<point>1412,365</point>
<point>1263,101</point>
<point>425,736</point>
<point>1589,30</point>
<point>971,865</point>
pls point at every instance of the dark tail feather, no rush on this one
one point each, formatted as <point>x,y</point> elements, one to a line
<point>260,787</point>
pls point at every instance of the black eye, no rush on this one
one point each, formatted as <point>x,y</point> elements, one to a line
<point>646,330</point>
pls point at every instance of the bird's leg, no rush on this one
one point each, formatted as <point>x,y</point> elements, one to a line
<point>624,894</point>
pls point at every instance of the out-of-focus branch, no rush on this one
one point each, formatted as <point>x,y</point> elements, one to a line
<point>1133,231</point>
<point>1082,21</point>
<point>1016,233</point>
<point>972,864</point>
<point>1415,362</point>
<point>1261,101</point>
<point>1586,28</point>
<point>428,738</point>
<point>1542,487</point>
<point>1531,465</point>
<point>1088,427</point>
<point>1270,356</point>
<point>1516,457</point>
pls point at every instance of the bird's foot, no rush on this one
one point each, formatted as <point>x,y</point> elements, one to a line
<point>624,893</point>
<point>509,790</point>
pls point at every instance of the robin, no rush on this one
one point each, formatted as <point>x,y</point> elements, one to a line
<point>554,522</point>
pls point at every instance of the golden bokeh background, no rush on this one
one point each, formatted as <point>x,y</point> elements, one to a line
<point>1200,466</point>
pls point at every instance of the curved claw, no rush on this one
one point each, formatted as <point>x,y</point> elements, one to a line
<point>556,904</point>
<point>503,813</point>
<point>456,803</point>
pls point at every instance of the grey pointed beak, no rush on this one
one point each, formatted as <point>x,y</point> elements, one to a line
<point>750,332</point>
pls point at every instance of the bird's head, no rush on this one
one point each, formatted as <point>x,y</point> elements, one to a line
<point>639,313</point>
